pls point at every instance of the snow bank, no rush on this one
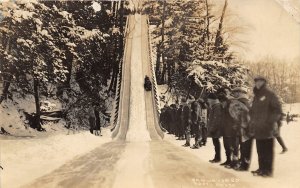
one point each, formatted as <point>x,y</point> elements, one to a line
<point>137,121</point>
<point>286,165</point>
<point>13,120</point>
<point>27,159</point>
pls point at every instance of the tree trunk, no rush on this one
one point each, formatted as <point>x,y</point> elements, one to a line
<point>169,73</point>
<point>112,81</point>
<point>207,20</point>
<point>189,91</point>
<point>6,85</point>
<point>114,8</point>
<point>37,123</point>
<point>115,65</point>
<point>163,74</point>
<point>157,66</point>
<point>207,30</point>
<point>162,50</point>
<point>219,40</point>
<point>116,78</point>
<point>8,78</point>
<point>69,67</point>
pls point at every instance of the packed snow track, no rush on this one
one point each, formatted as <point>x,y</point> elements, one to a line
<point>138,156</point>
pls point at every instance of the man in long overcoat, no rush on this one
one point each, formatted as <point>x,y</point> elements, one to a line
<point>265,112</point>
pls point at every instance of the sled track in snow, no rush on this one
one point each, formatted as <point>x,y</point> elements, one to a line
<point>121,112</point>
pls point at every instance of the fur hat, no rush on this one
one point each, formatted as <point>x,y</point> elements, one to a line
<point>260,78</point>
<point>212,96</point>
<point>240,89</point>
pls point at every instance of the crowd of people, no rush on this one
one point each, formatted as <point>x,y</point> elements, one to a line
<point>232,116</point>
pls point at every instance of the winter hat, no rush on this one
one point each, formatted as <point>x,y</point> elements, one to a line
<point>260,78</point>
<point>200,100</point>
<point>223,90</point>
<point>173,106</point>
<point>212,96</point>
<point>240,89</point>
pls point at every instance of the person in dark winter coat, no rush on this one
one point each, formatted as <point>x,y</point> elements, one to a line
<point>169,119</point>
<point>195,123</point>
<point>186,122</point>
<point>265,112</point>
<point>203,123</point>
<point>92,119</point>
<point>239,110</point>
<point>162,118</point>
<point>288,118</point>
<point>214,125</point>
<point>97,128</point>
<point>173,127</point>
<point>228,130</point>
<point>179,124</point>
<point>190,101</point>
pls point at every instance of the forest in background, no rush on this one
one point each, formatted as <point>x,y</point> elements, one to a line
<point>63,51</point>
<point>192,43</point>
<point>283,76</point>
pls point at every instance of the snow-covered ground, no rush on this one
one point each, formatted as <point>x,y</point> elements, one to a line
<point>286,165</point>
<point>12,118</point>
<point>24,160</point>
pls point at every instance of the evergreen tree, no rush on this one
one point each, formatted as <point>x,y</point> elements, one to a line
<point>63,49</point>
<point>198,60</point>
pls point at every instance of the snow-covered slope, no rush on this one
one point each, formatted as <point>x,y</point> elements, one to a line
<point>13,120</point>
<point>24,160</point>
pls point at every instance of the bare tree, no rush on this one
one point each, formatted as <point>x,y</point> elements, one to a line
<point>219,38</point>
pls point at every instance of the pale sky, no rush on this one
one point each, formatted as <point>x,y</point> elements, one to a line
<point>271,31</point>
